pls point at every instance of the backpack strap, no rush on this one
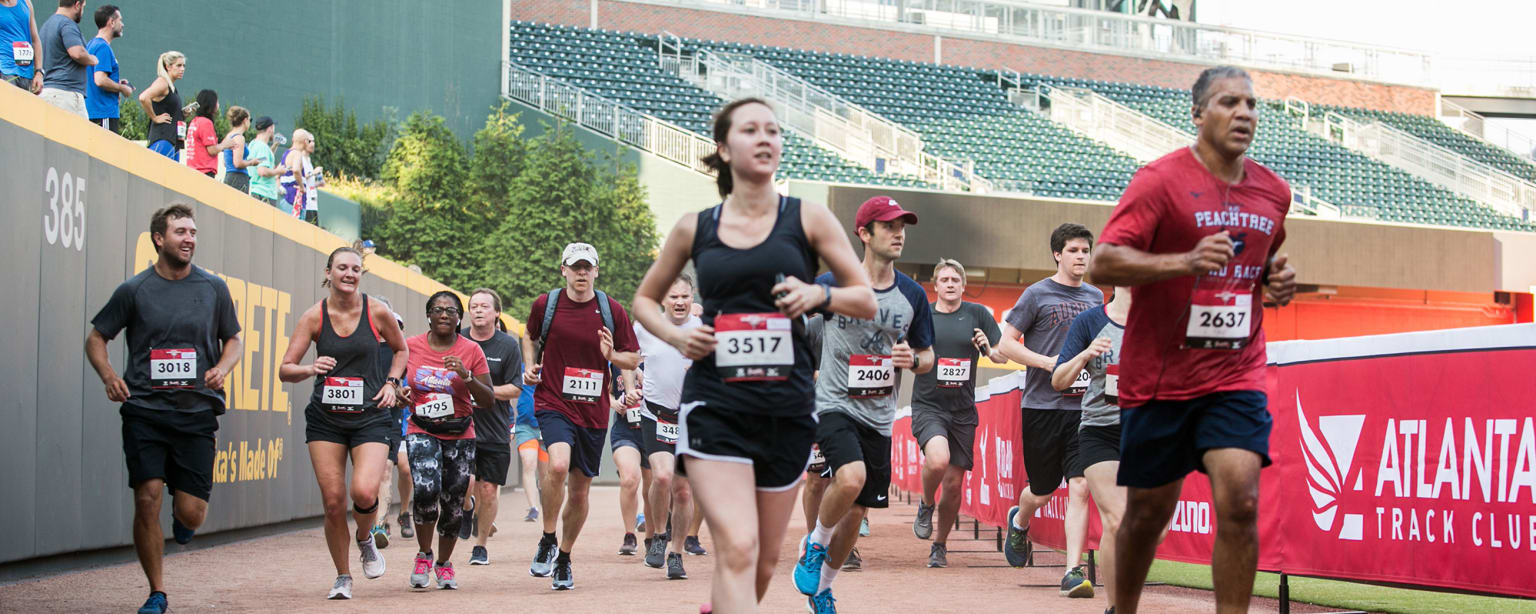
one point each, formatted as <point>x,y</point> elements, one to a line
<point>549,318</point>
<point>606,310</point>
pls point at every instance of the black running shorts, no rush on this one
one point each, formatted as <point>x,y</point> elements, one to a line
<point>844,440</point>
<point>174,446</point>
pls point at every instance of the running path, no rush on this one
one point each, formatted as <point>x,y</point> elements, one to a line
<point>288,573</point>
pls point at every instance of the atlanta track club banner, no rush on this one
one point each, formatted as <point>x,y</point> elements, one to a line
<point>1407,458</point>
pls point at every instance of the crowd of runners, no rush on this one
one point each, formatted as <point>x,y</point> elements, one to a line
<point>743,372</point>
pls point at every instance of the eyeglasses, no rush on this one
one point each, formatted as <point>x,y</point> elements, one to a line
<point>437,311</point>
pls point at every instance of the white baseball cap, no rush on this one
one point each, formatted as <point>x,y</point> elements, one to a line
<point>577,252</point>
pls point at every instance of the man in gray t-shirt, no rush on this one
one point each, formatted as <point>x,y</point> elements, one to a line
<point>65,60</point>
<point>1036,328</point>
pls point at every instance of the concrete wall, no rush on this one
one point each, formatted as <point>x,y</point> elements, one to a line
<point>268,56</point>
<point>76,202</point>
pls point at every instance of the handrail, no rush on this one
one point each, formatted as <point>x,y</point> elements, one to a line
<point>1461,174</point>
<point>860,135</point>
<point>1101,31</point>
<point>606,117</point>
<point>1475,125</point>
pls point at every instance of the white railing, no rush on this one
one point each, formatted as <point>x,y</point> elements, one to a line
<point>1515,77</point>
<point>1477,126</point>
<point>1132,132</point>
<point>1502,191</point>
<point>607,117</point>
<point>855,133</point>
<point>1089,30</point>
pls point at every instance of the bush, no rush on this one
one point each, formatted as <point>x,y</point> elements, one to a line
<point>343,146</point>
<point>135,124</point>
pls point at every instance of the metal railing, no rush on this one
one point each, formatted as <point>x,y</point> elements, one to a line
<point>1502,191</point>
<point>1132,132</point>
<point>1477,126</point>
<point>855,133</point>
<point>1101,31</point>
<point>607,117</point>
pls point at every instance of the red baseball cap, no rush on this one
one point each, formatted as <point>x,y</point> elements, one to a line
<point>882,209</point>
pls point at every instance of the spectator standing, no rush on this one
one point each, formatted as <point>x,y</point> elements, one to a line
<point>301,179</point>
<point>19,43</point>
<point>202,137</point>
<point>65,58</point>
<point>162,105</point>
<point>106,85</point>
<point>237,155</point>
<point>263,176</point>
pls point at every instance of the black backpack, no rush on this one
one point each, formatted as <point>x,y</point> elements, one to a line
<point>549,315</point>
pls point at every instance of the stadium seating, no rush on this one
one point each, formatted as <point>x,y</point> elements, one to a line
<point>1436,132</point>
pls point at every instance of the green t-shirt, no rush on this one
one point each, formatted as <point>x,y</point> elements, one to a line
<point>265,187</point>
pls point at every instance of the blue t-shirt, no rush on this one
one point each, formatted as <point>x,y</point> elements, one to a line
<point>525,408</point>
<point>99,103</point>
<point>1101,401</point>
<point>15,26</point>
<point>58,34</point>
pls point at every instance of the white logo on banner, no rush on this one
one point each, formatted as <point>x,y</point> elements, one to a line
<point>1329,460</point>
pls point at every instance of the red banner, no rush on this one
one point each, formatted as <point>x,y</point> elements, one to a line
<point>1397,458</point>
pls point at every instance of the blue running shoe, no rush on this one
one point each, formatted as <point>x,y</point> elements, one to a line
<point>808,569</point>
<point>156,604</point>
<point>180,531</point>
<point>822,603</point>
<point>1018,547</point>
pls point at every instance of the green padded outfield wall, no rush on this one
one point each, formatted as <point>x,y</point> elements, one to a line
<point>442,55</point>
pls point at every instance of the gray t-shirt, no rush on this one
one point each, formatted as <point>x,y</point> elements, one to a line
<point>1043,314</point>
<point>956,357</point>
<point>58,34</point>
<point>855,346</point>
<point>165,319</point>
<point>1099,407</point>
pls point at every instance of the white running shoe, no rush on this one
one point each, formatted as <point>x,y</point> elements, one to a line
<point>342,589</point>
<point>373,564</point>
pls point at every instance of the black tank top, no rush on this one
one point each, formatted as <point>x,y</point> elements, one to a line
<point>167,131</point>
<point>741,281</point>
<point>357,361</point>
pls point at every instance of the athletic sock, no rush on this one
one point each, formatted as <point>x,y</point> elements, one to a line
<point>828,574</point>
<point>1016,524</point>
<point>563,558</point>
<point>549,538</point>
<point>822,535</point>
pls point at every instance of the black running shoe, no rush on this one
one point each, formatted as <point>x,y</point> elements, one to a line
<point>563,581</point>
<point>655,551</point>
<point>467,527</point>
<point>630,546</point>
<point>180,531</point>
<point>854,562</point>
<point>675,569</point>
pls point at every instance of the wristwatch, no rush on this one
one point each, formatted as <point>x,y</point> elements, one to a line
<point>392,380</point>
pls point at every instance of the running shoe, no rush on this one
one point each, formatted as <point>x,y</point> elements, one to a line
<point>373,563</point>
<point>180,531</point>
<point>821,603</point>
<point>423,565</point>
<point>478,556</point>
<point>864,527</point>
<point>544,559</point>
<point>467,527</point>
<point>808,568</point>
<point>342,589</point>
<point>640,523</point>
<point>563,581</point>
<point>692,546</point>
<point>854,562</point>
<point>1109,610</point>
<point>156,604</point>
<point>675,569</point>
<point>1017,548</point>
<point>533,514</point>
<point>1076,586</point>
<point>407,527</point>
<point>630,546</point>
<point>656,551</point>
<point>381,536</point>
<point>938,556</point>
<point>445,579</point>
<point>922,526</point>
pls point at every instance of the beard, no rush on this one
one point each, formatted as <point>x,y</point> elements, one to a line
<point>174,256</point>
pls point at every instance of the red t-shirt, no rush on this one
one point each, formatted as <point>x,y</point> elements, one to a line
<point>1169,205</point>
<point>428,376</point>
<point>573,344</point>
<point>202,134</point>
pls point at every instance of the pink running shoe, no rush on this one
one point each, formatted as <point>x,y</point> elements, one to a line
<point>419,571</point>
<point>445,579</point>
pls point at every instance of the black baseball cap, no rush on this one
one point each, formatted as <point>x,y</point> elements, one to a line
<point>263,122</point>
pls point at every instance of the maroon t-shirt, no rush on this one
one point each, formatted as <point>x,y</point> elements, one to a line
<point>1169,205</point>
<point>573,358</point>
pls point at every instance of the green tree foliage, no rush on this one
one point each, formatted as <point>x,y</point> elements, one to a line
<point>499,155</point>
<point>431,223</point>
<point>344,146</point>
<point>135,124</point>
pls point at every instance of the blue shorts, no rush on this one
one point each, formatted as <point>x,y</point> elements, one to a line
<point>586,444</point>
<point>1162,441</point>
<point>620,435</point>
<point>165,148</point>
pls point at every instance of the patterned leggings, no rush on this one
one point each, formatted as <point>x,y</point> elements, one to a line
<point>440,471</point>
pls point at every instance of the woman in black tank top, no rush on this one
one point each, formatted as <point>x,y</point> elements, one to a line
<point>350,410</point>
<point>747,402</point>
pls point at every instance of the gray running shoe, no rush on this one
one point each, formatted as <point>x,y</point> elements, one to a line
<point>630,546</point>
<point>854,562</point>
<point>407,528</point>
<point>938,556</point>
<point>423,566</point>
<point>1075,585</point>
<point>655,551</point>
<point>445,579</point>
<point>533,514</point>
<point>543,560</point>
<point>922,526</point>
<point>864,527</point>
<point>373,563</point>
<point>478,556</point>
<point>342,589</point>
<point>564,580</point>
<point>675,569</point>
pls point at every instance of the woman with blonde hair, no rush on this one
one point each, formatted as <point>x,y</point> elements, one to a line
<point>162,105</point>
<point>237,157</point>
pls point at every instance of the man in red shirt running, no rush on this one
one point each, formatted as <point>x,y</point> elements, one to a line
<point>1196,235</point>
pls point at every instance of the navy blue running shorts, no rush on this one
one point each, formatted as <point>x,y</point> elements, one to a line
<point>1162,441</point>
